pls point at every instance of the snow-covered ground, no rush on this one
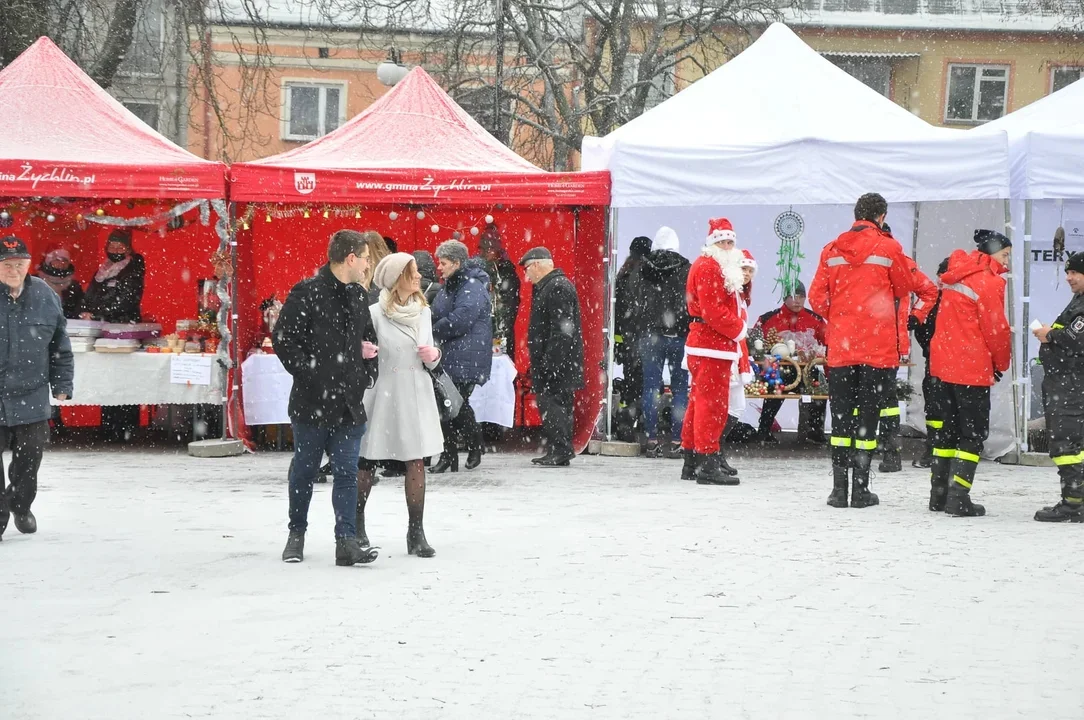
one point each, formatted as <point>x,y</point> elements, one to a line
<point>154,589</point>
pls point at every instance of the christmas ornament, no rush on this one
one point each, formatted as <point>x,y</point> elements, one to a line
<point>393,215</point>
<point>474,231</point>
<point>435,228</point>
<point>421,215</point>
<point>489,219</point>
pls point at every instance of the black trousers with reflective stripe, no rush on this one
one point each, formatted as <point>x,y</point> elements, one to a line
<point>888,436</point>
<point>1063,401</point>
<point>957,445</point>
<point>854,437</point>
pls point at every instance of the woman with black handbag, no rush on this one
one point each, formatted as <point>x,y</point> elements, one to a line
<point>402,412</point>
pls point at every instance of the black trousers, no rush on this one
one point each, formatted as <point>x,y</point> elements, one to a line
<point>889,434</point>
<point>771,408</point>
<point>464,425</point>
<point>27,443</point>
<point>556,411</point>
<point>931,386</point>
<point>856,394</point>
<point>1063,404</point>
<point>964,411</point>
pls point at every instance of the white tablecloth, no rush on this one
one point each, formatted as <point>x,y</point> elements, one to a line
<point>266,386</point>
<point>137,378</point>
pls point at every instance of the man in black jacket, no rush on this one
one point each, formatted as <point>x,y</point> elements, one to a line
<point>319,339</point>
<point>35,362</point>
<point>666,326</point>
<point>555,345</point>
<point>1062,356</point>
<point>630,300</point>
<point>504,287</point>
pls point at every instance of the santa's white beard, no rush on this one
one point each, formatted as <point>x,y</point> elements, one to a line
<point>730,264</point>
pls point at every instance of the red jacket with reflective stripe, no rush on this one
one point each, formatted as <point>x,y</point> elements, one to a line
<point>972,338</point>
<point>927,298</point>
<point>782,319</point>
<point>860,276</point>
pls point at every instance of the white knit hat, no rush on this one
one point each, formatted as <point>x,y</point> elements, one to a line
<point>390,269</point>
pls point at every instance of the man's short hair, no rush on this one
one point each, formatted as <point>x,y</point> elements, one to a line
<point>345,243</point>
<point>870,207</point>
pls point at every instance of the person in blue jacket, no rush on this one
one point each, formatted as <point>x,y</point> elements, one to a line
<point>463,326</point>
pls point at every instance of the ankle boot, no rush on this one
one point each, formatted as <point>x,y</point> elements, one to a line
<point>840,480</point>
<point>861,497</point>
<point>958,503</point>
<point>724,464</point>
<point>416,543</point>
<point>359,523</point>
<point>474,457</point>
<point>1066,511</point>
<point>348,551</point>
<point>688,469</point>
<point>709,471</point>
<point>891,462</point>
<point>449,462</point>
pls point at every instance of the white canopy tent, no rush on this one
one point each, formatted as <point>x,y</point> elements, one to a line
<point>1046,153</point>
<point>780,127</point>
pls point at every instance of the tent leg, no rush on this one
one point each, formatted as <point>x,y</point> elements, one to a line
<point>1025,340</point>
<point>911,370</point>
<point>1015,368</point>
<point>610,264</point>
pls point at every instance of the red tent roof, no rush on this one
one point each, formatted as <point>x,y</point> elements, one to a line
<point>61,135</point>
<point>413,145</point>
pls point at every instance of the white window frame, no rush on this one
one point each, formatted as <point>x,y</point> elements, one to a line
<point>1054,68</point>
<point>980,68</point>
<point>161,50</point>
<point>322,85</point>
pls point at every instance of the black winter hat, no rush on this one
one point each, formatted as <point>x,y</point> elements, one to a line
<point>990,241</point>
<point>799,289</point>
<point>1075,263</point>
<point>942,268</point>
<point>640,246</point>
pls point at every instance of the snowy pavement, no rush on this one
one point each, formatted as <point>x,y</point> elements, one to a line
<point>154,589</point>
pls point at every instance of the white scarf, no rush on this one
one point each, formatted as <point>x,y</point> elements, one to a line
<point>409,315</point>
<point>110,269</point>
<point>729,263</point>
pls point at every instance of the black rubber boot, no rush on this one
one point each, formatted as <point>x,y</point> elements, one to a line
<point>709,471</point>
<point>861,497</point>
<point>348,551</point>
<point>295,548</point>
<point>26,523</point>
<point>5,513</point>
<point>1064,512</point>
<point>891,462</point>
<point>840,481</point>
<point>688,469</point>
<point>449,462</point>
<point>416,543</point>
<point>925,460</point>
<point>958,503</point>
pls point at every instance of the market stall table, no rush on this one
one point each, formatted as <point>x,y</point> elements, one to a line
<point>142,378</point>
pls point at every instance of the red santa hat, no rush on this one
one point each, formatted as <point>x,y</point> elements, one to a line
<point>747,261</point>
<point>720,229</point>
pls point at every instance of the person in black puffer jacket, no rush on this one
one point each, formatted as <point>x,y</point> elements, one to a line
<point>666,326</point>
<point>630,299</point>
<point>463,326</point>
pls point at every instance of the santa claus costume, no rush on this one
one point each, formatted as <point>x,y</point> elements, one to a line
<point>713,349</point>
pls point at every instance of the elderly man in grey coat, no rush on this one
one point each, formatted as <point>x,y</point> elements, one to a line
<point>35,362</point>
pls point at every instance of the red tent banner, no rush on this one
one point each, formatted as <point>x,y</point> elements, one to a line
<point>414,145</point>
<point>64,136</point>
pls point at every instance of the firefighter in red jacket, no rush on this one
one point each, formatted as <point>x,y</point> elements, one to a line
<point>889,435</point>
<point>793,316</point>
<point>971,348</point>
<point>859,279</point>
<point>712,347</point>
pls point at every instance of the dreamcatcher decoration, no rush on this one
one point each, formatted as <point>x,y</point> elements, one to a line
<point>789,227</point>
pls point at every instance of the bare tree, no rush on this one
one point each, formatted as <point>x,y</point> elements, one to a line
<point>95,33</point>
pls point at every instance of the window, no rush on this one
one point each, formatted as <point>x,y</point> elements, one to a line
<point>312,109</point>
<point>145,111</point>
<point>976,93</point>
<point>873,72</point>
<point>478,102</point>
<point>1064,76</point>
<point>145,54</point>
<point>662,85</point>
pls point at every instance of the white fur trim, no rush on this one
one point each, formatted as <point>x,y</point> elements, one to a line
<point>709,353</point>
<point>747,378</point>
<point>721,235</point>
<point>743,334</point>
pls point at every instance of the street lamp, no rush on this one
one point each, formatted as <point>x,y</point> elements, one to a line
<point>392,70</point>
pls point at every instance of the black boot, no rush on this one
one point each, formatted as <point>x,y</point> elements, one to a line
<point>295,547</point>
<point>925,460</point>
<point>348,551</point>
<point>724,464</point>
<point>861,497</point>
<point>26,523</point>
<point>416,543</point>
<point>938,491</point>
<point>840,481</point>
<point>958,503</point>
<point>359,524</point>
<point>4,513</point>
<point>709,471</point>
<point>449,462</point>
<point>891,462</point>
<point>474,457</point>
<point>1065,511</point>
<point>688,468</point>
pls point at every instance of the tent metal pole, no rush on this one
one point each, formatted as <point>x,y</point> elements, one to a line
<point>1025,339</point>
<point>1015,368</point>
<point>914,256</point>
<point>610,265</point>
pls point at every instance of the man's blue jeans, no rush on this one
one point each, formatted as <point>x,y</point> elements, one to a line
<point>655,352</point>
<point>342,445</point>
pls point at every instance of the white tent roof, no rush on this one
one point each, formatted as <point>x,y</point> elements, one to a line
<point>1046,145</point>
<point>779,124</point>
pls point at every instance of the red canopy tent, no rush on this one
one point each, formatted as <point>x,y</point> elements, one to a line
<point>75,164</point>
<point>416,167</point>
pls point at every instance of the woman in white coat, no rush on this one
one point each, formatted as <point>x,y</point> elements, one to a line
<point>403,420</point>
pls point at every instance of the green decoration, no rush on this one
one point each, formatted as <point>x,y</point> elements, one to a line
<point>788,227</point>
